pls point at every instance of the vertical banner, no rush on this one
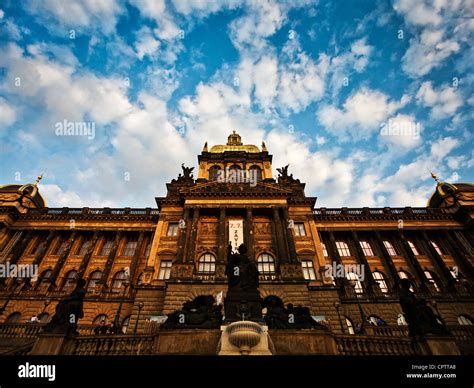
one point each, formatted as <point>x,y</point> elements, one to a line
<point>236,233</point>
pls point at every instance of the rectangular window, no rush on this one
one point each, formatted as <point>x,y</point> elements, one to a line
<point>366,248</point>
<point>106,247</point>
<point>84,247</point>
<point>436,247</point>
<point>130,248</point>
<point>299,229</point>
<point>172,229</point>
<point>389,247</point>
<point>308,270</point>
<point>165,270</point>
<point>343,249</point>
<point>60,247</point>
<point>36,245</point>
<point>325,250</point>
<point>413,248</point>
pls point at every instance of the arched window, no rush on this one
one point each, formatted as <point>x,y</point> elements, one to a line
<point>101,318</point>
<point>380,279</point>
<point>255,173</point>
<point>405,275</point>
<point>44,318</point>
<point>401,321</point>
<point>376,321</point>
<point>266,267</point>
<point>13,318</point>
<point>69,281</point>
<point>215,173</point>
<point>94,279</point>
<point>44,277</point>
<point>350,326</point>
<point>207,264</point>
<point>431,278</point>
<point>120,278</point>
<point>125,324</point>
<point>464,320</point>
<point>354,279</point>
<point>234,172</point>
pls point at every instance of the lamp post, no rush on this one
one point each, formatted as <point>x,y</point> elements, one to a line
<point>140,306</point>
<point>353,283</point>
<point>337,305</point>
<point>125,283</point>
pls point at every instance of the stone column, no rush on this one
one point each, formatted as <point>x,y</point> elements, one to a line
<point>136,255</point>
<point>386,259</point>
<point>20,247</point>
<point>360,256</point>
<point>88,255</point>
<point>193,236</point>
<point>249,239</point>
<point>460,254</point>
<point>282,254</point>
<point>413,262</point>
<point>221,240</point>
<point>62,259</point>
<point>437,260</point>
<point>10,244</point>
<point>183,236</point>
<point>110,260</point>
<point>288,232</point>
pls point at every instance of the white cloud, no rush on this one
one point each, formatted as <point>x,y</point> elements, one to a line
<point>443,102</point>
<point>402,132</point>
<point>56,14</point>
<point>7,114</point>
<point>2,13</point>
<point>56,197</point>
<point>146,43</point>
<point>361,114</point>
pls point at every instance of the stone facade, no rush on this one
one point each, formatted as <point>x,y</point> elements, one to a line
<point>144,263</point>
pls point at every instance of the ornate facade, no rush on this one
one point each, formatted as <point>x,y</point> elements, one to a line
<point>140,264</point>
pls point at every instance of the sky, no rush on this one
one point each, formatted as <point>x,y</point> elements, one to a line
<point>361,98</point>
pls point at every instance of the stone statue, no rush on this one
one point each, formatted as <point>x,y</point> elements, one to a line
<point>68,312</point>
<point>283,171</point>
<point>419,316</point>
<point>187,171</point>
<point>200,313</point>
<point>279,317</point>
<point>240,271</point>
<point>243,300</point>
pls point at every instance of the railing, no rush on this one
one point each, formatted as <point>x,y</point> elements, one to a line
<point>378,211</point>
<point>94,211</point>
<point>355,345</point>
<point>113,345</point>
<point>20,330</point>
<point>390,331</point>
<point>462,333</point>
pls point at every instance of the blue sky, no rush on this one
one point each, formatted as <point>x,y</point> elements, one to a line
<point>360,97</point>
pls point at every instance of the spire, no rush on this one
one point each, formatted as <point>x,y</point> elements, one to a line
<point>264,147</point>
<point>205,147</point>
<point>38,179</point>
<point>434,176</point>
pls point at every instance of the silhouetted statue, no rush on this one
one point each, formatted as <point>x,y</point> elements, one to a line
<point>68,312</point>
<point>419,316</point>
<point>242,301</point>
<point>241,272</point>
<point>187,171</point>
<point>200,313</point>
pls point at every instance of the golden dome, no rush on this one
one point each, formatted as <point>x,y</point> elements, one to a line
<point>234,143</point>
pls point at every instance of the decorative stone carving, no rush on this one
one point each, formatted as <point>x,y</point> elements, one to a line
<point>182,271</point>
<point>291,271</point>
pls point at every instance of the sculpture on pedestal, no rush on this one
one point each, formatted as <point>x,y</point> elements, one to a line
<point>68,312</point>
<point>419,316</point>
